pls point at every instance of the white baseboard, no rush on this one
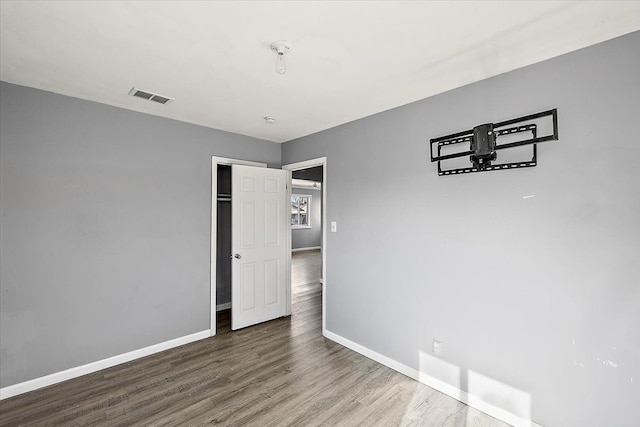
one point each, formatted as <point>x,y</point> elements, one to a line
<point>225,306</point>
<point>441,386</point>
<point>312,248</point>
<point>36,383</point>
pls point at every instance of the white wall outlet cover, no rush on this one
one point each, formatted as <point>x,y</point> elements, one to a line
<point>437,347</point>
<point>334,226</point>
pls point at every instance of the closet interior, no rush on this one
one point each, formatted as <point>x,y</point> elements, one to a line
<point>223,226</point>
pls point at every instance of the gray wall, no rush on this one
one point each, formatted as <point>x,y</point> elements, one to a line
<point>539,293</point>
<point>105,219</point>
<point>309,237</point>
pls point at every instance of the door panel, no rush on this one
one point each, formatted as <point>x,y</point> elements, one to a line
<point>272,221</point>
<point>271,279</point>
<point>247,231</point>
<point>259,221</point>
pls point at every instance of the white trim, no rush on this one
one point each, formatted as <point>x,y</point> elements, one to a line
<point>215,161</point>
<point>443,387</point>
<point>306,164</point>
<point>320,161</point>
<point>287,257</point>
<point>225,306</point>
<point>228,161</point>
<point>34,384</point>
<point>312,248</point>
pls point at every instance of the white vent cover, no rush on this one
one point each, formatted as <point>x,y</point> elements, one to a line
<point>150,96</point>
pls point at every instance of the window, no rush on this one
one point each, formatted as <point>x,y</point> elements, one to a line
<point>300,211</point>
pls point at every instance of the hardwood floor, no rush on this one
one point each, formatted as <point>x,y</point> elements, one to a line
<point>305,268</point>
<point>278,373</point>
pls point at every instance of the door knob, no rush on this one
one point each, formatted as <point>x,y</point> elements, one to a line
<point>237,256</point>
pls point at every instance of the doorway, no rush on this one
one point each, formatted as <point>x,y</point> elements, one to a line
<point>308,258</point>
<point>221,265</point>
<point>219,258</point>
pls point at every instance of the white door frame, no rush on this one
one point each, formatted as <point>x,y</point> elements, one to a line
<point>320,161</point>
<point>215,161</point>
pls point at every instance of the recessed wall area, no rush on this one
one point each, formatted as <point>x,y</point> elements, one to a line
<point>529,278</point>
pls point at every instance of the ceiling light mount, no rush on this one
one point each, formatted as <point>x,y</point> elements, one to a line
<point>280,47</point>
<point>270,120</point>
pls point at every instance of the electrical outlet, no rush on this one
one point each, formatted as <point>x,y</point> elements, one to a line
<point>437,347</point>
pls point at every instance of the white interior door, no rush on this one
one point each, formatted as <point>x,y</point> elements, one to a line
<point>259,227</point>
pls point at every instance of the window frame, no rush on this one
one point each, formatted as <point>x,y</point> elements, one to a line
<point>308,212</point>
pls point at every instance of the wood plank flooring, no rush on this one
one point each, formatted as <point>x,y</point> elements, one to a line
<point>279,373</point>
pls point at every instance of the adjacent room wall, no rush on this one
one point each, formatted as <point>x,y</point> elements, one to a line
<point>529,277</point>
<point>309,237</point>
<point>105,229</point>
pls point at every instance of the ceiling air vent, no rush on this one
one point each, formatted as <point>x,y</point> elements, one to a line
<point>160,99</point>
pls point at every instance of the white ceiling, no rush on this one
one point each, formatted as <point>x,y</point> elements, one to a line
<point>348,59</point>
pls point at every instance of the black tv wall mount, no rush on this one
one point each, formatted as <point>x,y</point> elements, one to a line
<point>483,143</point>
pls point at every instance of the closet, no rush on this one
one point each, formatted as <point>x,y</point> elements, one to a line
<point>223,227</point>
<point>254,284</point>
